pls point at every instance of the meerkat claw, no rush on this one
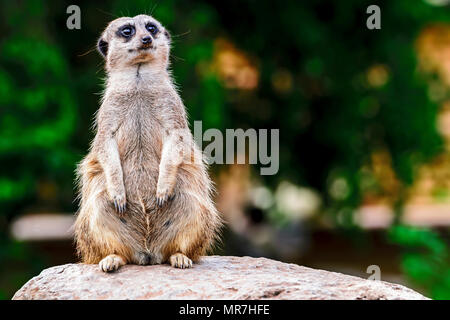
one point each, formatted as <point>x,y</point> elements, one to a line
<point>162,200</point>
<point>120,204</point>
<point>119,207</point>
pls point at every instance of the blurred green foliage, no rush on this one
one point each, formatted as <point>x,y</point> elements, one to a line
<point>330,119</point>
<point>426,260</point>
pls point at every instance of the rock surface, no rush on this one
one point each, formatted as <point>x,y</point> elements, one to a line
<point>214,277</point>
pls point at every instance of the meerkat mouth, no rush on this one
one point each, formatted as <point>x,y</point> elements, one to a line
<point>145,47</point>
<point>142,48</point>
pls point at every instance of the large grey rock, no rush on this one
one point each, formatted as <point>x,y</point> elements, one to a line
<point>214,277</point>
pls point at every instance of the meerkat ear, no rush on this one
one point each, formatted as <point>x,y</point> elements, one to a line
<point>102,47</point>
<point>167,34</point>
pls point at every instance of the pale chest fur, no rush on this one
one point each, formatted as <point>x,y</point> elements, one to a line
<point>140,105</point>
<point>139,135</point>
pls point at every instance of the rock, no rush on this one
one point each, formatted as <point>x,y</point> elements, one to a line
<point>215,277</point>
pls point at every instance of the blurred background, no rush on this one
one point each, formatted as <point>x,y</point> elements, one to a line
<point>364,119</point>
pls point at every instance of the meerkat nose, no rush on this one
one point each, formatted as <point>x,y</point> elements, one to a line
<point>147,40</point>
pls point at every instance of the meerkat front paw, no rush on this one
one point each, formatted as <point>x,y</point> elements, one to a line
<point>111,263</point>
<point>120,203</point>
<point>163,195</point>
<point>179,260</point>
<point>119,199</point>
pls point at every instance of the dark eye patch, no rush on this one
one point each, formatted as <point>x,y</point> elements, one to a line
<point>152,28</point>
<point>127,31</point>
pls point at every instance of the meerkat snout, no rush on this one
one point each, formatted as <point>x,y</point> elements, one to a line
<point>147,40</point>
<point>146,43</point>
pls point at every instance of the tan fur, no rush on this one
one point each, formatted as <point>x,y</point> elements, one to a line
<point>143,199</point>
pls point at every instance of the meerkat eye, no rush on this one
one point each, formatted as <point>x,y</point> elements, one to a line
<point>152,28</point>
<point>127,31</point>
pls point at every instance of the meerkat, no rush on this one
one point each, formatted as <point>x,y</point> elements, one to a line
<point>145,197</point>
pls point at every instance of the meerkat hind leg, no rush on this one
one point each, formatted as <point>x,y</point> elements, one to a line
<point>179,260</point>
<point>111,263</point>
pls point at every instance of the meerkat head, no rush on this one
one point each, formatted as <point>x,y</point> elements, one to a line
<point>132,41</point>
